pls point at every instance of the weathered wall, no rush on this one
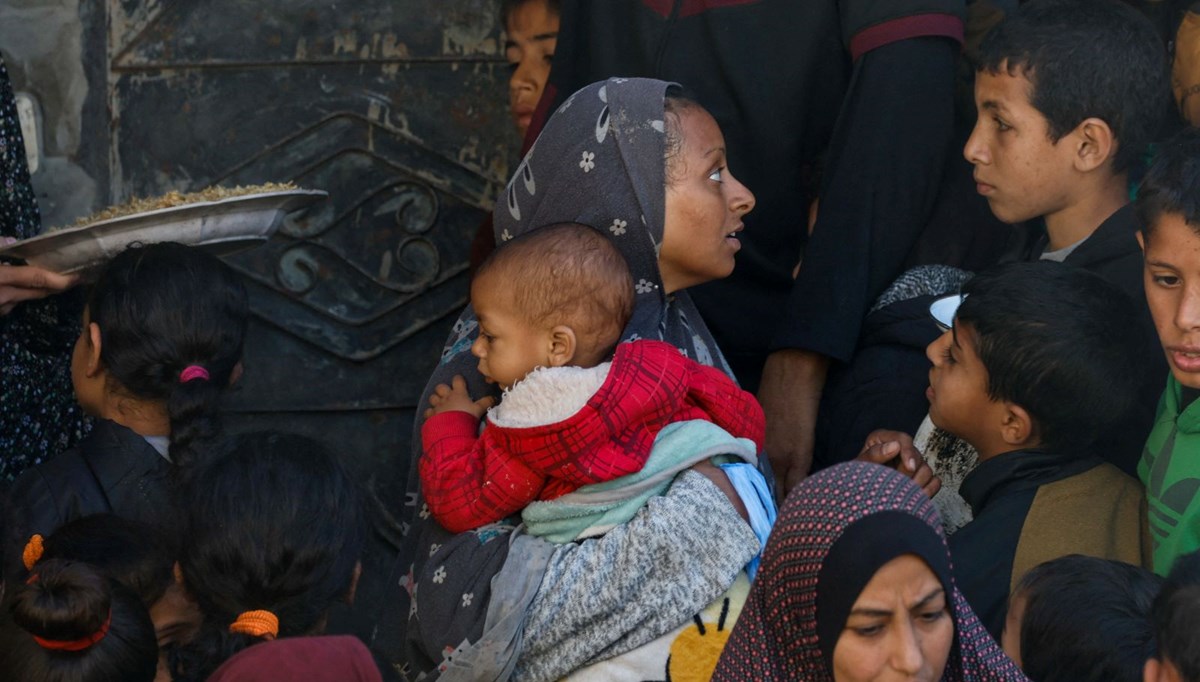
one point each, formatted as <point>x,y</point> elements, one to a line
<point>396,107</point>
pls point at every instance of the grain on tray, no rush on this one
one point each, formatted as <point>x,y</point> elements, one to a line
<point>172,199</point>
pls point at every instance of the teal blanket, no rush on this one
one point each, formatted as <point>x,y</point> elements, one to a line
<point>595,509</point>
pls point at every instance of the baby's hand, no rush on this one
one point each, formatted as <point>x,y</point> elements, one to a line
<point>455,398</point>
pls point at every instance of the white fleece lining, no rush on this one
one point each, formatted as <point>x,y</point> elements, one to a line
<point>548,395</point>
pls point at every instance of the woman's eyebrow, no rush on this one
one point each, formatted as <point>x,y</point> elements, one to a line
<point>937,591</point>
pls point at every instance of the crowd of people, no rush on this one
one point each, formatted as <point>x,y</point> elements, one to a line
<point>917,401</point>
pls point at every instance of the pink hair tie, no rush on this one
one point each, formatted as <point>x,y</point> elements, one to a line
<point>193,372</point>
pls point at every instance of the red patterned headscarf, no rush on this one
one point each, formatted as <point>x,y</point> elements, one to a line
<point>778,636</point>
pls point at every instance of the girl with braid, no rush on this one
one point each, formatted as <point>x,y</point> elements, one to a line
<point>162,339</point>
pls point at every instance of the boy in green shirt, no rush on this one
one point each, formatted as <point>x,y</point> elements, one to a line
<point>1168,207</point>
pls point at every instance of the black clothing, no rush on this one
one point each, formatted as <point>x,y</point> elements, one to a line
<point>852,100</point>
<point>1032,506</point>
<point>112,470</point>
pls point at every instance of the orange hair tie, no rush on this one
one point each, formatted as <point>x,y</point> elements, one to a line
<point>33,551</point>
<point>76,644</point>
<point>256,624</point>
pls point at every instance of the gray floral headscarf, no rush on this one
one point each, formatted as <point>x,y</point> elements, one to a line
<point>600,162</point>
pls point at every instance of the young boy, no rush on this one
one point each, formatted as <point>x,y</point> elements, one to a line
<point>551,307</point>
<point>1040,358</point>
<point>1069,94</point>
<point>1082,619</point>
<point>1168,205</point>
<point>1176,616</point>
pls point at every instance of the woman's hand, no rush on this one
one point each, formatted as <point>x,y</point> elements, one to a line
<point>26,282</point>
<point>895,449</point>
<point>456,398</point>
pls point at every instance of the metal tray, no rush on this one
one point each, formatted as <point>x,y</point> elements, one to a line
<point>224,226</point>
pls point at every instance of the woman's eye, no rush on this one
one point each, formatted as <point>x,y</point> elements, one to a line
<point>1001,125</point>
<point>933,616</point>
<point>549,58</point>
<point>868,631</point>
<point>716,175</point>
<point>1166,280</point>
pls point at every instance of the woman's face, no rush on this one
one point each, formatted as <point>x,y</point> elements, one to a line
<point>532,30</point>
<point>898,629</point>
<point>704,206</point>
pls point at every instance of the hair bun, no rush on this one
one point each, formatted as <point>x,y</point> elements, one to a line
<point>63,602</point>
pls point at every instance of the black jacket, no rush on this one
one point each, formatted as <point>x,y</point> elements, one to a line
<point>113,470</point>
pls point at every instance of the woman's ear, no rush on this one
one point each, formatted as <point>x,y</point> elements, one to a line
<point>1017,428</point>
<point>563,345</point>
<point>1096,144</point>
<point>93,349</point>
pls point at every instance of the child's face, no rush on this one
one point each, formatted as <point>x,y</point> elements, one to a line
<point>1010,638</point>
<point>1172,279</point>
<point>508,347</point>
<point>532,35</point>
<point>1021,172</point>
<point>958,397</point>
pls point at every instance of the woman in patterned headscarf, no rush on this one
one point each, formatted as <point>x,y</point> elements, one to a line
<point>855,584</point>
<point>648,171</point>
<point>38,413</point>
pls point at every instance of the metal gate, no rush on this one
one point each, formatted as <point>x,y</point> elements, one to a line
<point>397,109</point>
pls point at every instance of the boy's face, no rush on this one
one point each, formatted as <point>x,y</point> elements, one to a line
<point>508,347</point>
<point>1021,172</point>
<point>532,35</point>
<point>957,393</point>
<point>1172,279</point>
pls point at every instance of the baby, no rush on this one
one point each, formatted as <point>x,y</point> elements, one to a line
<point>551,306</point>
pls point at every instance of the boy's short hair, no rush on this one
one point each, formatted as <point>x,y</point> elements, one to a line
<point>1172,184</point>
<point>567,273</point>
<point>1086,58</point>
<point>1059,341</point>
<point>1176,616</point>
<point>1086,620</point>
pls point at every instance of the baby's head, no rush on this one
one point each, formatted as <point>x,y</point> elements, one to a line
<point>1041,355</point>
<point>559,295</point>
<point>1176,619</point>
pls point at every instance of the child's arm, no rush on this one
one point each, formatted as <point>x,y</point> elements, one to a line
<point>466,480</point>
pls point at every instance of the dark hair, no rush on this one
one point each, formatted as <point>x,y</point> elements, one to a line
<point>676,101</point>
<point>1086,620</point>
<point>71,601</point>
<point>507,7</point>
<point>274,523</point>
<point>567,273</point>
<point>1086,58</point>
<point>130,552</point>
<point>1176,616</point>
<point>162,308</point>
<point>1172,185</point>
<point>1059,341</point>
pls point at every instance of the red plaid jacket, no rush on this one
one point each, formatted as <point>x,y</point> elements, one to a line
<point>470,480</point>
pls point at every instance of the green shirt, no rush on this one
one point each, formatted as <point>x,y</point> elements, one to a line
<point>1170,470</point>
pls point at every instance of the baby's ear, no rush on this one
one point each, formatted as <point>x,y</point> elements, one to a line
<point>1018,428</point>
<point>563,345</point>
